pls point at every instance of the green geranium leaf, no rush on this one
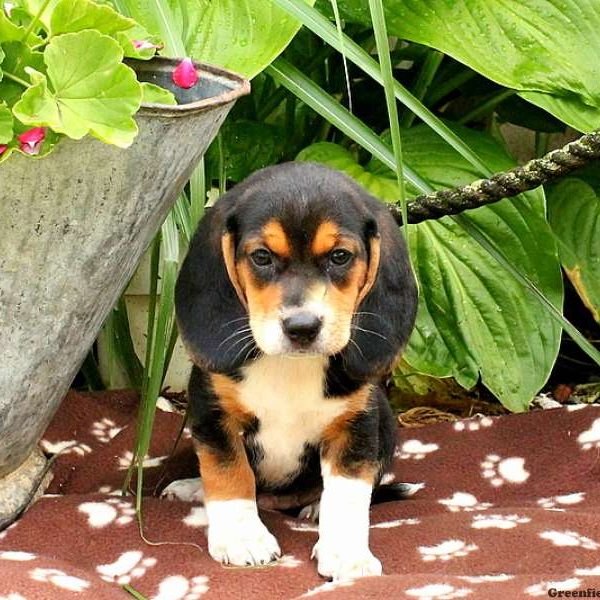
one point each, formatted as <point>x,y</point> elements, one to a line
<point>574,213</point>
<point>70,16</point>
<point>90,90</point>
<point>34,6</point>
<point>2,57</point>
<point>241,35</point>
<point>544,48</point>
<point>473,322</point>
<point>154,94</point>
<point>19,56</point>
<point>130,42</point>
<point>340,158</point>
<point>6,124</point>
<point>9,32</point>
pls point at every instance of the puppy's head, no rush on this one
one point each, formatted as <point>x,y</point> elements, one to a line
<point>304,253</point>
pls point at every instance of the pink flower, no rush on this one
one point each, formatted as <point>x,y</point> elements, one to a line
<point>145,45</point>
<point>184,75</point>
<point>3,148</point>
<point>31,140</point>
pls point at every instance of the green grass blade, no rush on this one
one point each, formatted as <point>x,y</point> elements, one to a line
<point>181,211</point>
<point>338,26</point>
<point>162,332</point>
<point>197,195</point>
<point>172,39</point>
<point>383,51</point>
<point>425,78</point>
<point>320,25</point>
<point>330,109</point>
<point>439,92</point>
<point>486,106</point>
<point>127,356</point>
<point>150,326</point>
<point>133,592</point>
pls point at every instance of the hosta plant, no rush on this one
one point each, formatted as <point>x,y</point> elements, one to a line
<point>62,73</point>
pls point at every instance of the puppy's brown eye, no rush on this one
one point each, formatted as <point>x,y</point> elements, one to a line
<point>261,258</point>
<point>340,257</point>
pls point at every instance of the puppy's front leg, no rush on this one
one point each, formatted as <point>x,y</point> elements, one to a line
<point>236,535</point>
<point>348,476</point>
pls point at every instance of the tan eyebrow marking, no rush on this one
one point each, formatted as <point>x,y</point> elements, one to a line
<point>276,239</point>
<point>325,238</point>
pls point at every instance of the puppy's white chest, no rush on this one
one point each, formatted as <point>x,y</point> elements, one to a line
<point>286,395</point>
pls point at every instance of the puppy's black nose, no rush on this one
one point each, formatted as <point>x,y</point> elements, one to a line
<point>302,327</point>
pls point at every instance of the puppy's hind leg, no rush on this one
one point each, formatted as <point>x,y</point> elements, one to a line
<point>186,490</point>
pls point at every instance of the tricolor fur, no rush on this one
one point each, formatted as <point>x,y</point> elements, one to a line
<point>294,302</point>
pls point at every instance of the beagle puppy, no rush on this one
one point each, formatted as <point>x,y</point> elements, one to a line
<point>294,302</point>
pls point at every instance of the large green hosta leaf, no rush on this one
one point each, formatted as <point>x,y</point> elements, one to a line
<point>549,48</point>
<point>241,35</point>
<point>474,320</point>
<point>574,213</point>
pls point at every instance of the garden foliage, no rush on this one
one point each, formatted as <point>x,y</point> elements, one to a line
<point>464,67</point>
<point>475,65</point>
<point>62,73</point>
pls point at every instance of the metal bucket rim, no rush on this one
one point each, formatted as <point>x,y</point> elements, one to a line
<point>237,84</point>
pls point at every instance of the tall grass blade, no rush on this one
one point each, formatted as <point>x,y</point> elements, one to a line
<point>338,25</point>
<point>197,195</point>
<point>162,333</point>
<point>125,350</point>
<point>320,25</point>
<point>432,63</point>
<point>329,108</point>
<point>383,51</point>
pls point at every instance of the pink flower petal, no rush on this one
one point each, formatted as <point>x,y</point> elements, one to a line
<point>184,75</point>
<point>3,148</point>
<point>145,45</point>
<point>31,140</point>
<point>32,136</point>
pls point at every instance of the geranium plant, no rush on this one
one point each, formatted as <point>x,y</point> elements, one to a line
<point>62,74</point>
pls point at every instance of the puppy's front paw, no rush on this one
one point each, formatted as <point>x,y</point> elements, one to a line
<point>248,544</point>
<point>188,490</point>
<point>343,563</point>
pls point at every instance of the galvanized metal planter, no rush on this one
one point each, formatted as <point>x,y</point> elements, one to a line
<point>73,226</point>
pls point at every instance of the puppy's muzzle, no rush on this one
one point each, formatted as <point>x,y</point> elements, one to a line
<point>302,328</point>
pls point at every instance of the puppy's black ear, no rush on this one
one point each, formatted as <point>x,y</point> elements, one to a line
<point>387,306</point>
<point>209,303</point>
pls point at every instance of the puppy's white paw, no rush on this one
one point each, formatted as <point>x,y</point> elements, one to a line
<point>249,543</point>
<point>343,563</point>
<point>188,490</point>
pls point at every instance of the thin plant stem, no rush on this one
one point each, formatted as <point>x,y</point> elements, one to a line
<point>35,21</point>
<point>430,67</point>
<point>16,79</point>
<point>338,24</point>
<point>486,106</point>
<point>438,92</point>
